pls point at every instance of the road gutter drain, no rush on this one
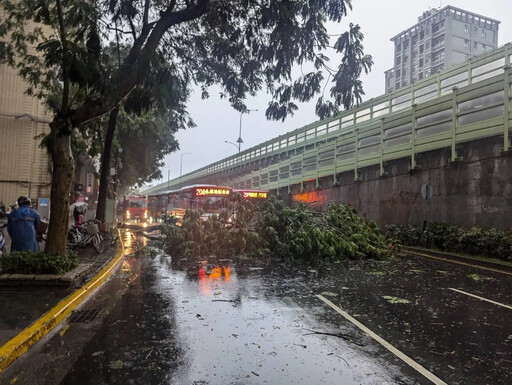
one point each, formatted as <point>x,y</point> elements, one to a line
<point>83,315</point>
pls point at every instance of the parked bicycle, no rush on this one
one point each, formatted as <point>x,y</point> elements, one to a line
<point>2,238</point>
<point>87,233</point>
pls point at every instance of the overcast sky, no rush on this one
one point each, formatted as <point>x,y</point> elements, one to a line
<point>217,122</point>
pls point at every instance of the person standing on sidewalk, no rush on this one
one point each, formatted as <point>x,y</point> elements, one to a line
<point>22,225</point>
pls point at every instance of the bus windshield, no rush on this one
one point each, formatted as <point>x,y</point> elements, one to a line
<point>137,203</point>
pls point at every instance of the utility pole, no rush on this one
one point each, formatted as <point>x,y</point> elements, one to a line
<point>239,140</point>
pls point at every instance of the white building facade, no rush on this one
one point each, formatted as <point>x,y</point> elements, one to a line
<point>441,38</point>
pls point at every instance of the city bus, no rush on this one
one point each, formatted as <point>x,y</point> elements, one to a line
<point>157,205</point>
<point>210,199</point>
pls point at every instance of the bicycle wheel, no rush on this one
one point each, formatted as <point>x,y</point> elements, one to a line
<point>97,241</point>
<point>73,239</point>
<point>107,237</point>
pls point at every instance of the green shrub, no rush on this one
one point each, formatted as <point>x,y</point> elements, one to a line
<point>490,243</point>
<point>27,262</point>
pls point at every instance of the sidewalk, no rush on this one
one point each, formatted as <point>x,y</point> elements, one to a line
<point>32,306</point>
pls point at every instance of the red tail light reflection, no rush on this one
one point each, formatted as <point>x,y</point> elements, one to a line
<point>218,273</point>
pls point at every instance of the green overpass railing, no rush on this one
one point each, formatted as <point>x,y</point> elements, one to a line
<point>463,103</point>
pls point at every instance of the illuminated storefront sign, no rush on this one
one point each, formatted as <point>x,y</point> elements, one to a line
<point>206,191</point>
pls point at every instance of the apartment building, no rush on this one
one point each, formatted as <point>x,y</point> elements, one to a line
<point>441,38</point>
<point>25,167</point>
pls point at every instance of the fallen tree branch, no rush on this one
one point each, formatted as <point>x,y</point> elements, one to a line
<point>345,337</point>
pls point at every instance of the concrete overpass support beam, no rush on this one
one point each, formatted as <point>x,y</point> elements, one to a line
<point>454,156</point>
<point>335,176</point>
<point>414,166</point>
<point>357,176</point>
<point>506,112</point>
<point>382,171</point>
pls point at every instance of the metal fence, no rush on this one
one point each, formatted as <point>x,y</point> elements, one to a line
<point>466,102</point>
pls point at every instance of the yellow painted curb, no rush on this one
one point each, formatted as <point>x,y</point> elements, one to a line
<point>18,345</point>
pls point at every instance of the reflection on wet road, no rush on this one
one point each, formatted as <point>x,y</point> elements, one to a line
<point>236,330</point>
<point>248,321</point>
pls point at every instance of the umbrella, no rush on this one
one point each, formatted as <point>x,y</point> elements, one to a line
<point>81,206</point>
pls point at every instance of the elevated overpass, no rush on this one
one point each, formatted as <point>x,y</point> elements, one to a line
<point>464,108</point>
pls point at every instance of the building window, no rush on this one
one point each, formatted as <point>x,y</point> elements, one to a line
<point>397,73</point>
<point>421,49</point>
<point>414,54</point>
<point>427,58</point>
<point>475,45</point>
<point>397,85</point>
<point>484,33</point>
<point>427,45</point>
<point>422,35</point>
<point>427,72</point>
<point>421,63</point>
<point>406,58</point>
<point>420,75</point>
<point>398,60</point>
<point>437,42</point>
<point>466,28</point>
<point>438,56</point>
<point>484,47</point>
<point>398,47</point>
<point>475,30</point>
<point>466,44</point>
<point>406,45</point>
<point>406,72</point>
<point>438,27</point>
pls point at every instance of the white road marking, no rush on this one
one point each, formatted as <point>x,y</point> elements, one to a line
<point>413,364</point>
<point>481,298</point>
<point>415,253</point>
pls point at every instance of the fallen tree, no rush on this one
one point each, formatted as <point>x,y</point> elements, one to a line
<point>296,235</point>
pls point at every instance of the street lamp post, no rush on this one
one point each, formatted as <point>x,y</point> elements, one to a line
<point>239,140</point>
<point>181,161</point>
<point>234,144</point>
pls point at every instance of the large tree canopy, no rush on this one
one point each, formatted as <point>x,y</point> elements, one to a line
<point>244,46</point>
<point>144,142</point>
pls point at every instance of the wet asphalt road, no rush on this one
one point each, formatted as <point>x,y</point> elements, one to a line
<point>164,320</point>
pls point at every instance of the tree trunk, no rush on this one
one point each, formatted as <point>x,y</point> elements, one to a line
<point>105,166</point>
<point>62,178</point>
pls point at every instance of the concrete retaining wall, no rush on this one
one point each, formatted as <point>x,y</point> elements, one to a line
<point>474,191</point>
